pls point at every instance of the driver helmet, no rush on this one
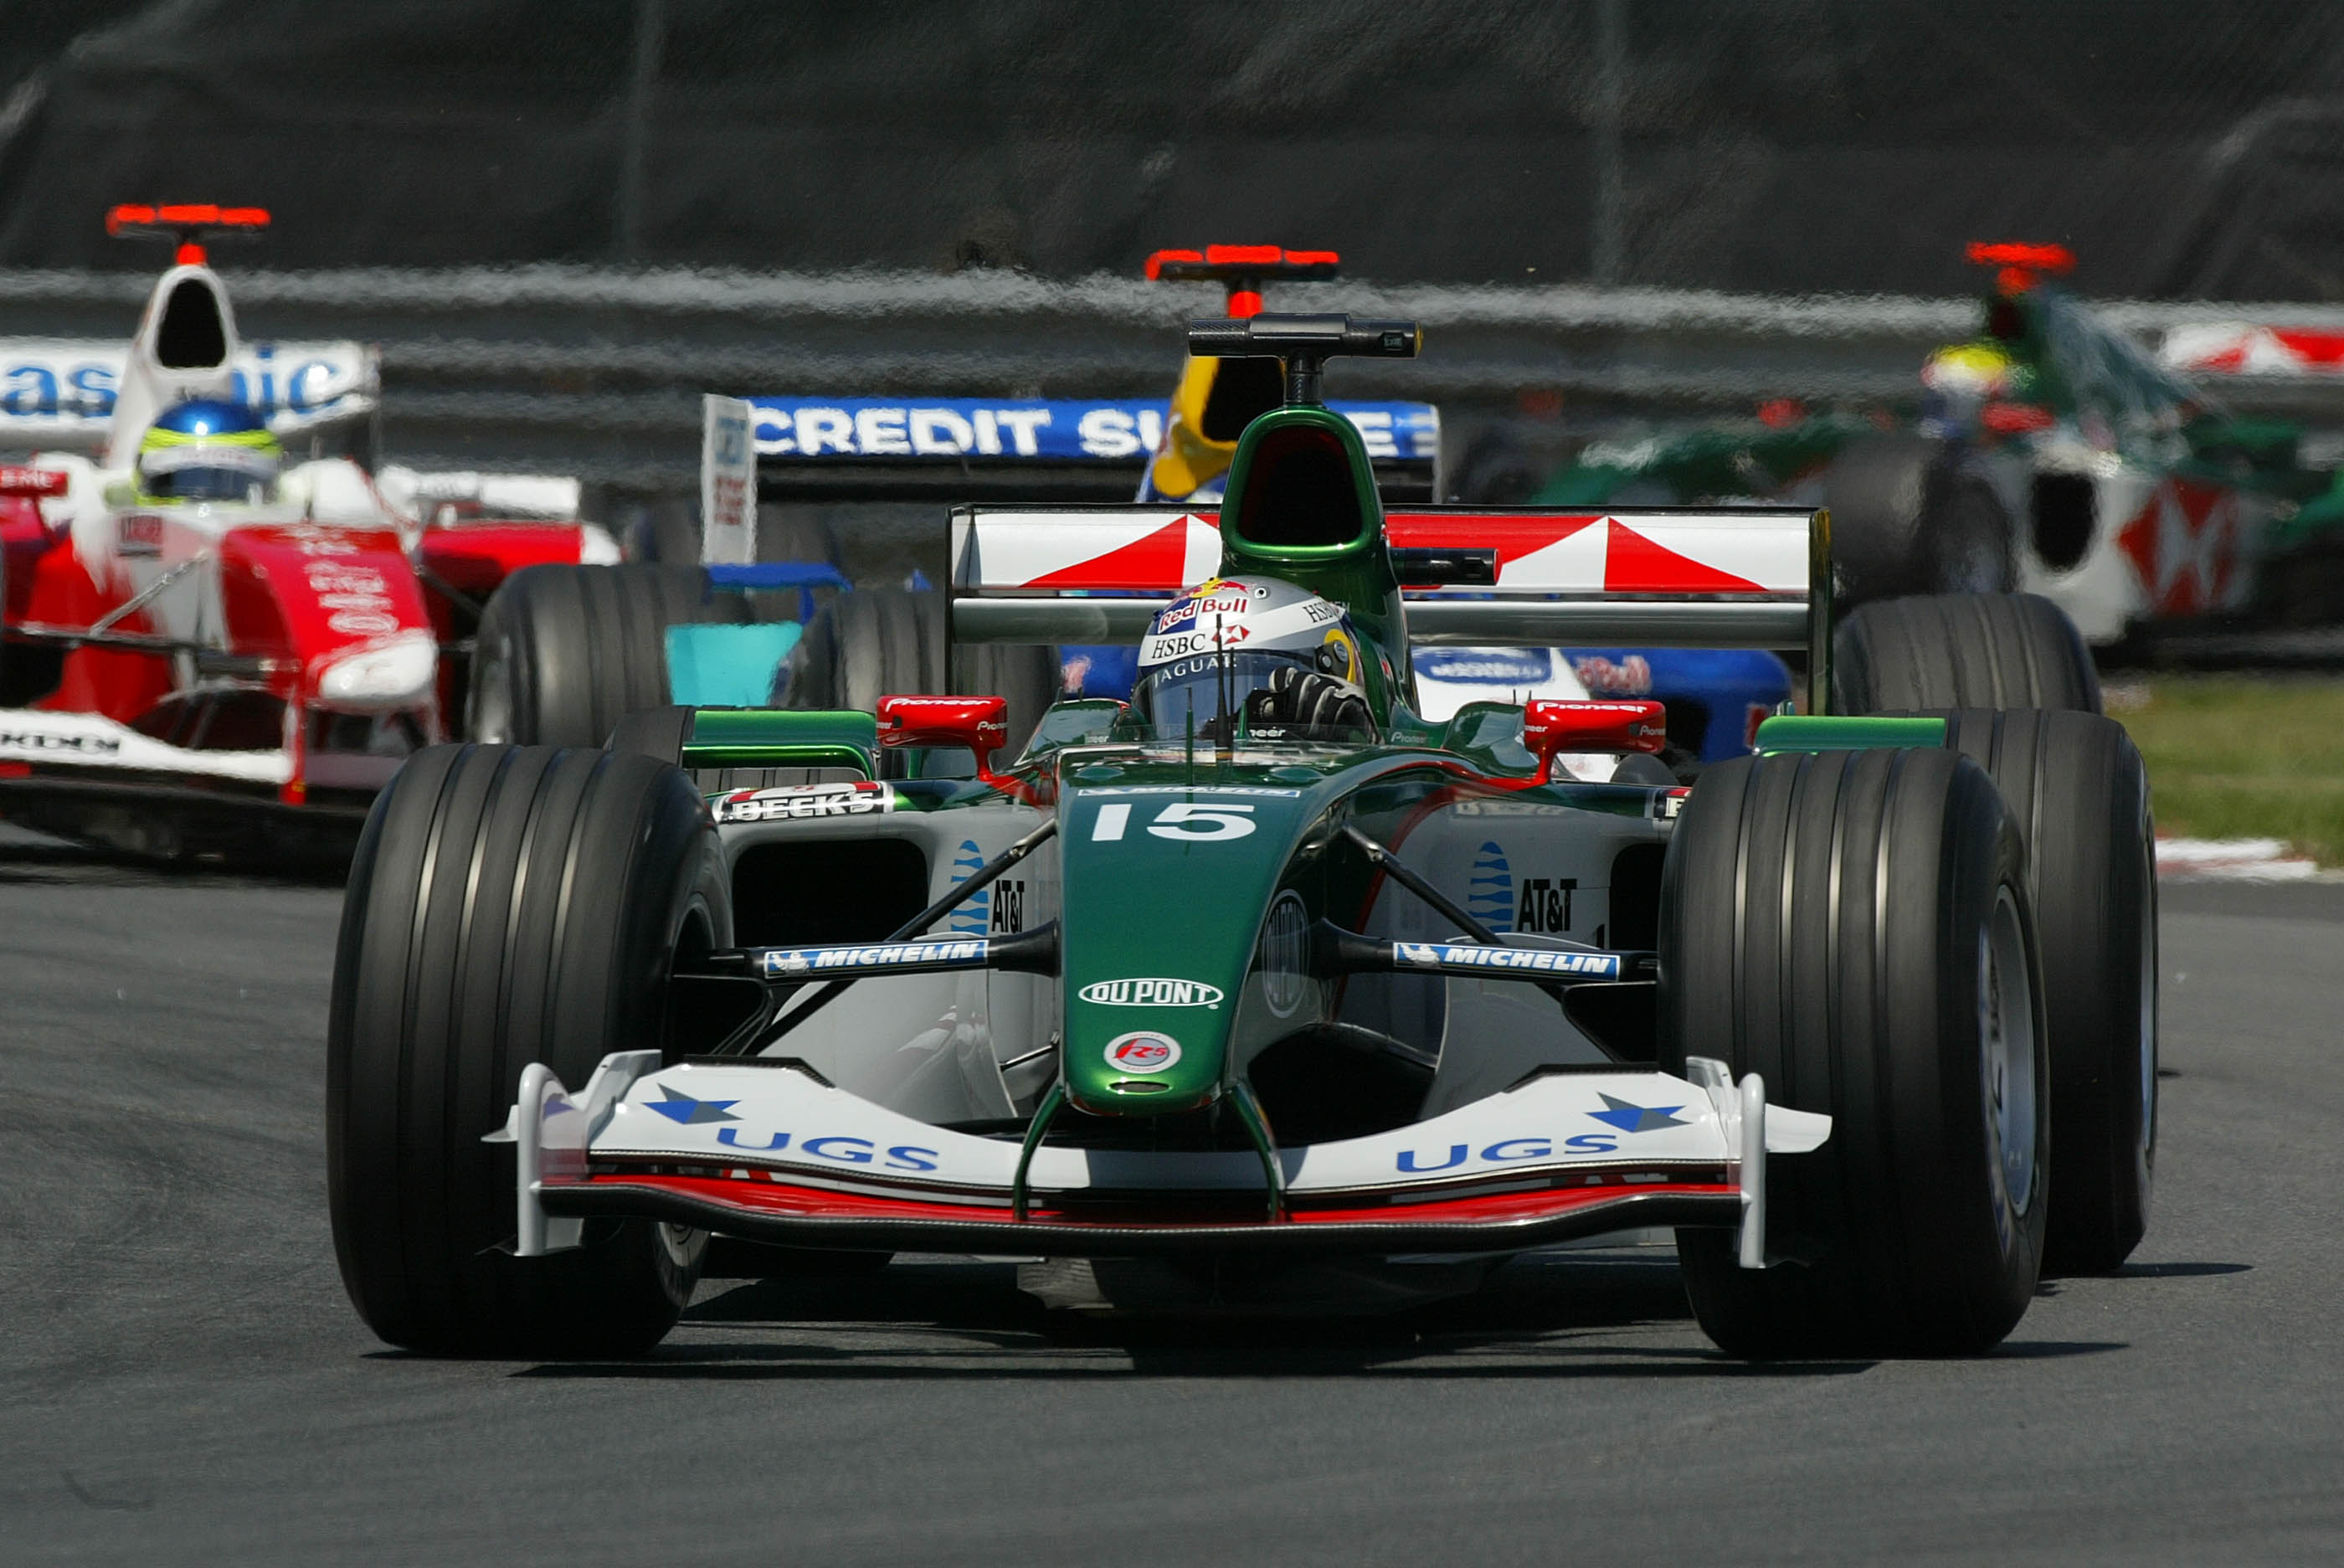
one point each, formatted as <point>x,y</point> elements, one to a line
<point>208,450</point>
<point>1254,658</point>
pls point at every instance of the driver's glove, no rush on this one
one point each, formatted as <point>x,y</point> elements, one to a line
<point>1316,703</point>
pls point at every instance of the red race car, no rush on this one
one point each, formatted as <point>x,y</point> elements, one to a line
<point>206,648</point>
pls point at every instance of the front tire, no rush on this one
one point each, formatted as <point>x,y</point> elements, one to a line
<point>1855,926</point>
<point>2076,788</point>
<point>507,904</point>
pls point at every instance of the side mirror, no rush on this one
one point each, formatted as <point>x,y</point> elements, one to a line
<point>1551,728</point>
<point>979,723</point>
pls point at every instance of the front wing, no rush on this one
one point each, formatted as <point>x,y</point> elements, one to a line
<point>762,1149</point>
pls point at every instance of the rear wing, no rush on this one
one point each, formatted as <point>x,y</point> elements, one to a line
<point>2239,349</point>
<point>950,448</point>
<point>1755,577</point>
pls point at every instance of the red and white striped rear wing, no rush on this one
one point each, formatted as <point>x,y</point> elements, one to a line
<point>1756,577</point>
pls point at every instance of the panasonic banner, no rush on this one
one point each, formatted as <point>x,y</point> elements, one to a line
<point>60,390</point>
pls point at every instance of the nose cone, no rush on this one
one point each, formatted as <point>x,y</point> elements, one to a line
<point>1130,1052</point>
<point>1164,886</point>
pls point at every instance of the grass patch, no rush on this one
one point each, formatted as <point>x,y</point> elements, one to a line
<point>2240,756</point>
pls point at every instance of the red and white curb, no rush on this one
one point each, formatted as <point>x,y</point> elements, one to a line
<point>2230,860</point>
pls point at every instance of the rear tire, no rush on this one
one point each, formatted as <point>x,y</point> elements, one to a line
<point>865,645</point>
<point>655,733</point>
<point>564,653</point>
<point>1961,651</point>
<point>2079,794</point>
<point>798,534</point>
<point>876,642</point>
<point>507,904</point>
<point>1908,518</point>
<point>1855,926</point>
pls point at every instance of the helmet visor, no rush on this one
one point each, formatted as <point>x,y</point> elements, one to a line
<point>205,483</point>
<point>224,468</point>
<point>1247,695</point>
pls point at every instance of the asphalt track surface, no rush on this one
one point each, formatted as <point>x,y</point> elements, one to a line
<point>182,1381</point>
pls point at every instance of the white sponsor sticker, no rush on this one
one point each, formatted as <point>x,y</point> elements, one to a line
<point>1152,992</point>
<point>88,740</point>
<point>792,802</point>
<point>1143,1051</point>
<point>964,952</point>
<point>1541,960</point>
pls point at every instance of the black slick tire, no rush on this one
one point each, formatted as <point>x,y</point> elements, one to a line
<point>867,645</point>
<point>655,733</point>
<point>1907,517</point>
<point>2077,790</point>
<point>1961,651</point>
<point>564,653</point>
<point>507,904</point>
<point>1854,928</point>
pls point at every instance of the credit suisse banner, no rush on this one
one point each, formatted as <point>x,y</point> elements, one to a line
<point>63,388</point>
<point>1039,430</point>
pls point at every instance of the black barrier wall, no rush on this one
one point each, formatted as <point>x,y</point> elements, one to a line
<point>1776,146</point>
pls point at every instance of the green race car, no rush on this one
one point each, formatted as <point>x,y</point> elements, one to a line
<point>2048,454</point>
<point>1259,989</point>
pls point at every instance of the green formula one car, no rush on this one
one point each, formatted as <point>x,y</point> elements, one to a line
<point>1259,989</point>
<point>2049,453</point>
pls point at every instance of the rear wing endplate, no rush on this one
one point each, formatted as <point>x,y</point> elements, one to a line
<point>1755,577</point>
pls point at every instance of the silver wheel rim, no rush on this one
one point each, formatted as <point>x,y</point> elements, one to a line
<point>2013,1098</point>
<point>684,1244</point>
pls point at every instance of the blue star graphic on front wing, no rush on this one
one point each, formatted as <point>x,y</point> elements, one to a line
<point>691,1112</point>
<point>1637,1117</point>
